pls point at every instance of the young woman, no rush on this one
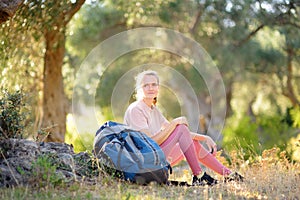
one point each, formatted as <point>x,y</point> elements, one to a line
<point>174,137</point>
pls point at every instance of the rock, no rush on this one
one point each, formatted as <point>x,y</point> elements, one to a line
<point>54,147</point>
<point>18,148</point>
<point>9,176</point>
<point>26,162</point>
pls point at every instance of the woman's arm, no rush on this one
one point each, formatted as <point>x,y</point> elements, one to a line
<point>166,130</point>
<point>199,137</point>
<point>210,143</point>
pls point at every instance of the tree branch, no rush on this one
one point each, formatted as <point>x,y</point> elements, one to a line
<point>243,41</point>
<point>281,19</point>
<point>70,13</point>
<point>197,20</point>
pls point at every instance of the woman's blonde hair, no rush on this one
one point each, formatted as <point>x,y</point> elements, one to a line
<point>139,82</point>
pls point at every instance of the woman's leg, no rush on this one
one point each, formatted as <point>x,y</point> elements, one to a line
<point>175,156</point>
<point>209,160</point>
<point>181,135</point>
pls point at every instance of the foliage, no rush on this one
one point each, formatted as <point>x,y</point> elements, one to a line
<point>22,65</point>
<point>44,172</point>
<point>241,134</point>
<point>254,136</point>
<point>273,131</point>
<point>34,33</point>
<point>93,23</point>
<point>295,114</point>
<point>81,142</point>
<point>12,115</point>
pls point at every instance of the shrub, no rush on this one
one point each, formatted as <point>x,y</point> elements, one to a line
<point>12,117</point>
<point>241,134</point>
<point>295,114</point>
<point>252,137</point>
<point>44,172</point>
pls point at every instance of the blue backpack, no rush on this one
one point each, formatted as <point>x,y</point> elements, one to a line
<point>130,154</point>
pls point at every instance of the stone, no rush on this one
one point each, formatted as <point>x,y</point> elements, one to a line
<point>26,162</point>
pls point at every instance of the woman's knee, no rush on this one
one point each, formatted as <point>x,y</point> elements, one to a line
<point>182,128</point>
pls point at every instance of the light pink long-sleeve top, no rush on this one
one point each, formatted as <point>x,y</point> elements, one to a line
<point>139,116</point>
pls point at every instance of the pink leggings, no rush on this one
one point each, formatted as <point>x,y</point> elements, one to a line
<point>180,144</point>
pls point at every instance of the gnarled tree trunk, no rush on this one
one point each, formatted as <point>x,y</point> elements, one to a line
<point>8,8</point>
<point>54,100</point>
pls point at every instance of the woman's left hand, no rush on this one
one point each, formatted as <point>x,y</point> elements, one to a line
<point>212,146</point>
<point>180,120</point>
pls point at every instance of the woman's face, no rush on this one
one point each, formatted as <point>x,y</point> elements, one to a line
<point>150,86</point>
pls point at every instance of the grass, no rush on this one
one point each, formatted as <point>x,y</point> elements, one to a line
<point>269,176</point>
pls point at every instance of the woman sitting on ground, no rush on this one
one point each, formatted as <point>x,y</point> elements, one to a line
<point>175,138</point>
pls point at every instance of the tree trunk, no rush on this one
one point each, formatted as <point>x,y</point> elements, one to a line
<point>8,8</point>
<point>290,93</point>
<point>54,101</point>
<point>229,91</point>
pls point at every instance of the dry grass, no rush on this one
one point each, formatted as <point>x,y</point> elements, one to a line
<point>267,177</point>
